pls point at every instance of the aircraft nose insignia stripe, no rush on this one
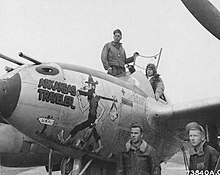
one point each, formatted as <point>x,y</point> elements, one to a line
<point>9,94</point>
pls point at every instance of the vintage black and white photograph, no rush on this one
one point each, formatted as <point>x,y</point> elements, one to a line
<point>115,87</point>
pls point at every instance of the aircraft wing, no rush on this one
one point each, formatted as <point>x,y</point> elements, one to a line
<point>204,111</point>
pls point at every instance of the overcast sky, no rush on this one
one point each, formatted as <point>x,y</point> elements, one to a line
<point>76,31</point>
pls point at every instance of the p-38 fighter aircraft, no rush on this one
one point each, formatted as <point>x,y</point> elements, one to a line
<point>45,101</point>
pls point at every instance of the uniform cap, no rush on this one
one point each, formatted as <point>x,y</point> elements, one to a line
<point>194,126</point>
<point>117,31</point>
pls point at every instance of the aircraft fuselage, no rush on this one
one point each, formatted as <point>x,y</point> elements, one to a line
<point>47,101</point>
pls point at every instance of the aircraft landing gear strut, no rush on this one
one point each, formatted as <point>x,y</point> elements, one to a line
<point>77,163</point>
<point>86,166</point>
<point>76,166</point>
<point>185,159</point>
<point>50,163</point>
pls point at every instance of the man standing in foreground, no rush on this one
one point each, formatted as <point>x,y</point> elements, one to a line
<point>203,157</point>
<point>140,157</point>
<point>114,57</point>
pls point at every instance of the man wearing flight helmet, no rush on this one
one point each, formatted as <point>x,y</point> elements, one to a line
<point>155,80</point>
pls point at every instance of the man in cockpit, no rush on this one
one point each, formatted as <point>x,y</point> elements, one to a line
<point>155,80</point>
<point>113,55</point>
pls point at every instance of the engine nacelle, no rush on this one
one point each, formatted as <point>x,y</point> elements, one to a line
<point>18,150</point>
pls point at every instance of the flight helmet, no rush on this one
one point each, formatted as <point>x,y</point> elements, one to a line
<point>151,66</point>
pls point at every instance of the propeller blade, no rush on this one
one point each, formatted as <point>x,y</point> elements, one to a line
<point>206,13</point>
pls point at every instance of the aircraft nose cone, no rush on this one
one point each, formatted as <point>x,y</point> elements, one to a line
<point>10,89</point>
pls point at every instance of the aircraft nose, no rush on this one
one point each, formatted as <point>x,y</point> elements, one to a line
<point>10,89</point>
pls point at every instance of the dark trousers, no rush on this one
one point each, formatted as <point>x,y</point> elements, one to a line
<point>85,124</point>
<point>117,70</point>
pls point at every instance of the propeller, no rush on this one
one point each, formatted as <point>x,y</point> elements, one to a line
<point>206,13</point>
